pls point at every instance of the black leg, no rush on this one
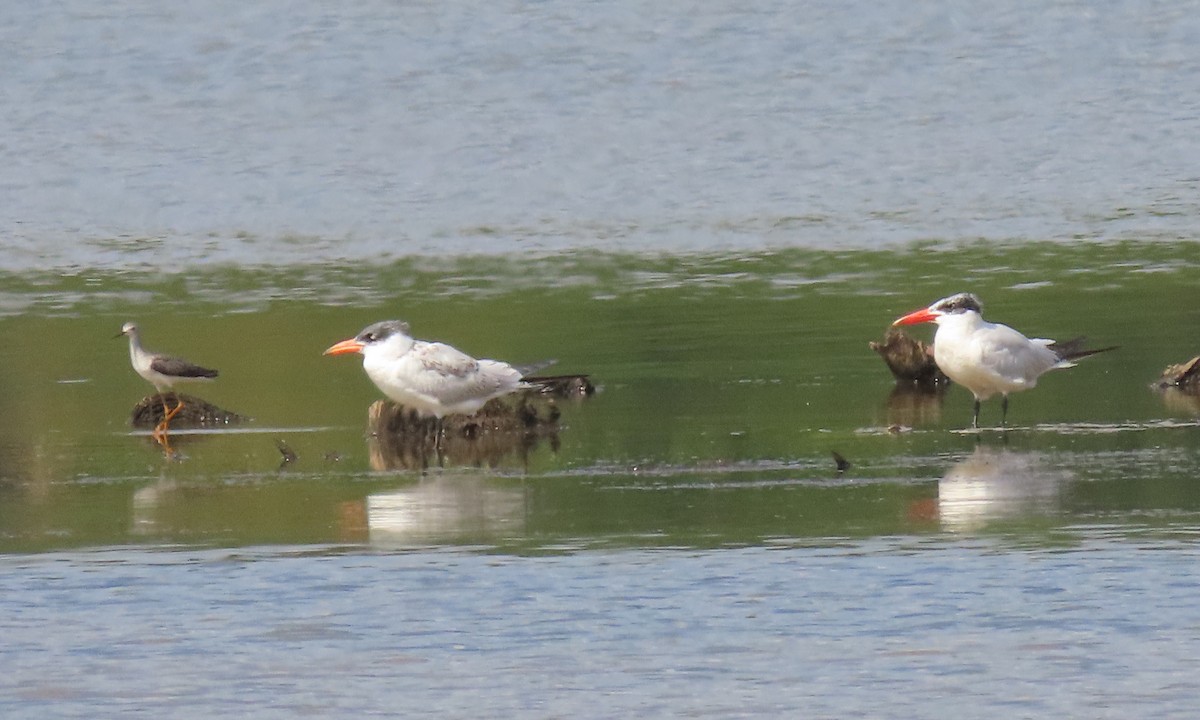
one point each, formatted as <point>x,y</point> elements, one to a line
<point>441,435</point>
<point>439,430</point>
<point>975,420</point>
<point>1004,412</point>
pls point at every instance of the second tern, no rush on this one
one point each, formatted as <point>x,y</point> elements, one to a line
<point>989,358</point>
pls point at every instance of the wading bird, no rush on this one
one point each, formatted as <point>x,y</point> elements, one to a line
<point>163,372</point>
<point>990,358</point>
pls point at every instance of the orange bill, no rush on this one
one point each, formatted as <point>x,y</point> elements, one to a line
<point>345,347</point>
<point>918,316</point>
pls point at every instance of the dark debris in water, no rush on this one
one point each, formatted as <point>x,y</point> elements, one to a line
<point>148,413</point>
<point>910,360</point>
<point>562,386</point>
<point>287,454</point>
<point>1184,376</point>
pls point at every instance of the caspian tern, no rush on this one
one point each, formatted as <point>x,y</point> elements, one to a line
<point>430,377</point>
<point>990,358</point>
<point>162,371</point>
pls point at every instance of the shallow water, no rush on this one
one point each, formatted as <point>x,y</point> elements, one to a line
<point>683,544</point>
<point>877,628</point>
<point>709,210</point>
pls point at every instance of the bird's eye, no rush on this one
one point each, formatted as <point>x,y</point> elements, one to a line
<point>370,337</point>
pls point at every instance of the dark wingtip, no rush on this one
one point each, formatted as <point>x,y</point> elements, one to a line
<point>1073,349</point>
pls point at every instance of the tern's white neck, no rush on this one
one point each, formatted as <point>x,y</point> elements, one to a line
<point>955,330</point>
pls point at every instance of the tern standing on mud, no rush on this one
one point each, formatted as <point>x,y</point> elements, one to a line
<point>990,358</point>
<point>430,377</point>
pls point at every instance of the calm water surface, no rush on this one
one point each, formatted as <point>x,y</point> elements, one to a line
<point>882,628</point>
<point>220,132</point>
<point>711,210</point>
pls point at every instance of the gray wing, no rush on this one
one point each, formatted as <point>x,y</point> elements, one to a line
<point>1013,356</point>
<point>489,379</point>
<point>445,360</point>
<point>178,367</point>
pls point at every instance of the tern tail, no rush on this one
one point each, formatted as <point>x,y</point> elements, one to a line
<point>1073,349</point>
<point>533,367</point>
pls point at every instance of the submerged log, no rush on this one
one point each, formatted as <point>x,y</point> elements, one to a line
<point>910,360</point>
<point>1184,377</point>
<point>148,413</point>
<point>400,438</point>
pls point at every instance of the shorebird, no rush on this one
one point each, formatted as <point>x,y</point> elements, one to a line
<point>990,358</point>
<point>162,371</point>
<point>432,378</point>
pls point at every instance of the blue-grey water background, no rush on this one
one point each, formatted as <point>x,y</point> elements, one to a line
<point>710,207</point>
<point>219,130</point>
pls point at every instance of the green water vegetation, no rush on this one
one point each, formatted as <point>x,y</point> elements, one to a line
<point>736,368</point>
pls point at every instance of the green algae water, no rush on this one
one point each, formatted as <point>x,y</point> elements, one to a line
<point>743,372</point>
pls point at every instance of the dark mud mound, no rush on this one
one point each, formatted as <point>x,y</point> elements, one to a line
<point>196,413</point>
<point>910,360</point>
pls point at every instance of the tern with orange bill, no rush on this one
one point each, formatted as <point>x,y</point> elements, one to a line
<point>432,378</point>
<point>989,358</point>
<point>163,372</point>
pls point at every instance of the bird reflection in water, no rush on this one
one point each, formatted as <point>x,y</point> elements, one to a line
<point>447,508</point>
<point>997,483</point>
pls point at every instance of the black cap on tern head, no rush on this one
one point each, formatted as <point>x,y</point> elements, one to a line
<point>380,331</point>
<point>962,302</point>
